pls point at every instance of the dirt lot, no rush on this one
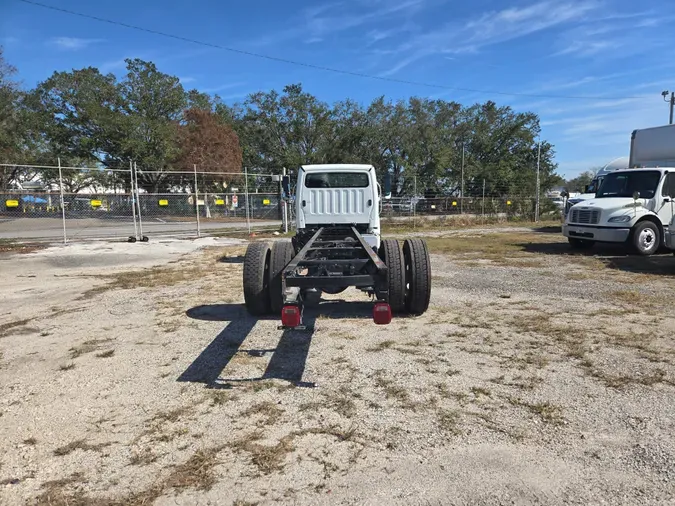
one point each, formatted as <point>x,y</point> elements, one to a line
<point>130,374</point>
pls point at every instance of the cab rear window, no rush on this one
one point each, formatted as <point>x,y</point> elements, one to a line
<point>337,180</point>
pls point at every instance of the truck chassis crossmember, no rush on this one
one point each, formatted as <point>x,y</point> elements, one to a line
<point>337,257</point>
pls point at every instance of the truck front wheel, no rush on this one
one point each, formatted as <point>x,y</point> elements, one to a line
<point>646,238</point>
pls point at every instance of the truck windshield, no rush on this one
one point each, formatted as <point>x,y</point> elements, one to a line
<point>336,180</point>
<point>625,184</point>
<point>595,184</point>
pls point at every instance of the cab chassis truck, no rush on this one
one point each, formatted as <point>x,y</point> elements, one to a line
<point>337,245</point>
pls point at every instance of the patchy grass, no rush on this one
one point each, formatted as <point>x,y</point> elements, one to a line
<point>267,458</point>
<point>143,457</point>
<point>196,473</point>
<point>67,367</point>
<point>106,354</point>
<point>31,441</point>
<point>208,265</point>
<point>619,381</point>
<point>495,247</point>
<point>89,346</point>
<point>269,412</point>
<point>382,345</point>
<point>547,411</point>
<point>12,246</point>
<point>80,444</point>
<point>478,391</point>
<point>342,402</point>
<point>449,420</point>
<point>16,327</point>
<point>391,389</point>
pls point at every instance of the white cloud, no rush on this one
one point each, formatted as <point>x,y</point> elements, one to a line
<point>315,24</point>
<point>72,43</point>
<point>490,28</point>
<point>222,87</point>
<point>186,80</point>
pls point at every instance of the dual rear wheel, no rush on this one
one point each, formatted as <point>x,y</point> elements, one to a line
<point>408,275</point>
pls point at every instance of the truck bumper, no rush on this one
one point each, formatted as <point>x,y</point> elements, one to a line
<point>596,234</point>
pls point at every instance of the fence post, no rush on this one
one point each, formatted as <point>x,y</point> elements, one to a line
<point>248,218</point>
<point>413,202</point>
<point>199,230</point>
<point>138,201</point>
<point>133,198</point>
<point>461,200</point>
<point>536,206</point>
<point>285,202</point>
<point>63,205</point>
<point>483,212</point>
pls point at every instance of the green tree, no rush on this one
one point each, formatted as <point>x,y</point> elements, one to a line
<point>579,183</point>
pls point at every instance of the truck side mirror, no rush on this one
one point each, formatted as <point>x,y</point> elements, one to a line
<point>586,188</point>
<point>636,195</point>
<point>286,185</point>
<point>564,194</point>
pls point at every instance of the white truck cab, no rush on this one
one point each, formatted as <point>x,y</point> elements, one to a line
<point>339,194</point>
<point>633,206</point>
<point>590,190</point>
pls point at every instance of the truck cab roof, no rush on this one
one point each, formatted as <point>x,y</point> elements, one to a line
<point>336,166</point>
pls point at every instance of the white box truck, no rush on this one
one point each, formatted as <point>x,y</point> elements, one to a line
<point>633,206</point>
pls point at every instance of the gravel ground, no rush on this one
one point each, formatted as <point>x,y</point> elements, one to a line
<point>131,374</point>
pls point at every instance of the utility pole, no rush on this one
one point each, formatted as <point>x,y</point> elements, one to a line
<point>670,100</point>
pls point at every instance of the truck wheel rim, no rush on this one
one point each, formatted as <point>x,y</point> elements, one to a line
<point>646,239</point>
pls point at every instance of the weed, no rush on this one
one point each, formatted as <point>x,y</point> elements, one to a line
<point>196,472</point>
<point>381,346</point>
<point>342,403</point>
<point>616,381</point>
<point>547,411</point>
<point>79,444</point>
<point>478,391</point>
<point>268,409</point>
<point>142,458</point>
<point>30,441</point>
<point>67,367</point>
<point>391,390</point>
<point>449,420</point>
<point>15,327</point>
<point>87,347</point>
<point>267,458</point>
<point>106,354</point>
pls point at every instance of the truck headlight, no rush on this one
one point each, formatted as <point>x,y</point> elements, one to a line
<point>620,219</point>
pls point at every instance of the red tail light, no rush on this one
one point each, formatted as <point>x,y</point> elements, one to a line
<point>291,316</point>
<point>382,313</point>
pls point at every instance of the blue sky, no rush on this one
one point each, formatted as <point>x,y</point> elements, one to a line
<point>617,49</point>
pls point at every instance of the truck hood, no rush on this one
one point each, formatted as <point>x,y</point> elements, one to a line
<point>580,198</point>
<point>610,203</point>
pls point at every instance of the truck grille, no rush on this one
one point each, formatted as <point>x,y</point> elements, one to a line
<point>588,217</point>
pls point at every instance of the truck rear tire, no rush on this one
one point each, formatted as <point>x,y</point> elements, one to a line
<point>646,238</point>
<point>580,244</point>
<point>417,276</point>
<point>281,256</point>
<point>392,256</point>
<point>256,278</point>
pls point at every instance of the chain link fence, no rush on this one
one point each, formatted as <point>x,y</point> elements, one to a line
<point>132,203</point>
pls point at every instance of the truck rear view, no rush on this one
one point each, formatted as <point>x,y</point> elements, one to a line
<point>337,245</point>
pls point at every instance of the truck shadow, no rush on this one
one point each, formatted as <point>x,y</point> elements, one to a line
<point>614,257</point>
<point>288,359</point>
